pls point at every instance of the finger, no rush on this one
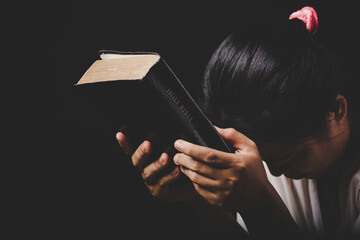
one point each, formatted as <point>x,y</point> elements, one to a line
<point>235,138</point>
<point>208,195</point>
<point>206,155</point>
<point>199,179</point>
<point>151,171</point>
<point>125,143</point>
<point>141,154</point>
<point>194,165</point>
<point>169,178</point>
<point>205,193</point>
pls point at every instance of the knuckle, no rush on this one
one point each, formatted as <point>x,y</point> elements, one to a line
<point>240,166</point>
<point>230,132</point>
<point>229,183</point>
<point>158,165</point>
<point>211,157</point>
<point>190,151</point>
<point>196,166</point>
<point>196,186</point>
<point>146,176</point>
<point>194,177</point>
<point>136,157</point>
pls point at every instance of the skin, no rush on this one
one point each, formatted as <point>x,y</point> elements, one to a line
<point>315,156</point>
<point>237,181</point>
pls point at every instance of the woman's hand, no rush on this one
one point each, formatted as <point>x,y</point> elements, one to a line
<point>158,182</point>
<point>235,181</point>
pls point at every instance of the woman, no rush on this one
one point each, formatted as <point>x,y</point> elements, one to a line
<point>283,101</point>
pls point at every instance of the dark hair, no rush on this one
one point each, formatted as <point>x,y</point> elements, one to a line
<point>272,83</point>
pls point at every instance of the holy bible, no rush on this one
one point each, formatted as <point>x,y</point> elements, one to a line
<point>141,96</point>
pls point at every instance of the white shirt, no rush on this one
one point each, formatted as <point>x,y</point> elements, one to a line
<point>302,199</point>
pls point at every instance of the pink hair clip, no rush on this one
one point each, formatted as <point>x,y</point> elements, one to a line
<point>309,16</point>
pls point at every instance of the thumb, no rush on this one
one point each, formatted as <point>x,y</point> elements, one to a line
<point>235,138</point>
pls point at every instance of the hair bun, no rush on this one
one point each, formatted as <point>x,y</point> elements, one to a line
<point>309,16</point>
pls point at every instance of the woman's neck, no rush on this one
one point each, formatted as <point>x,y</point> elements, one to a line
<point>332,185</point>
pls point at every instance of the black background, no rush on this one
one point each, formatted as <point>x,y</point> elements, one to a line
<point>89,190</point>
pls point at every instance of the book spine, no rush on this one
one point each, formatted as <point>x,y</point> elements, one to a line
<point>187,114</point>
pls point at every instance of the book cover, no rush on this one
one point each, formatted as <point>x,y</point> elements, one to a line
<point>141,96</point>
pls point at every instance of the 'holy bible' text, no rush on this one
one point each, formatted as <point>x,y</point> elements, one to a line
<point>182,107</point>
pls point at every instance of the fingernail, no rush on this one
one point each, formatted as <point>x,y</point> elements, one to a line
<point>117,135</point>
<point>179,145</point>
<point>144,147</point>
<point>162,159</point>
<point>176,159</point>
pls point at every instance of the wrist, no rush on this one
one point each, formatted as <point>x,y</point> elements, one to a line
<point>264,198</point>
<point>269,216</point>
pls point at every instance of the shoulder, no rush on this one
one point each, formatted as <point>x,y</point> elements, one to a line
<point>356,178</point>
<point>354,181</point>
<point>354,189</point>
<point>352,212</point>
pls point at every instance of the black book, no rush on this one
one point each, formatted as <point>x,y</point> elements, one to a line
<point>140,95</point>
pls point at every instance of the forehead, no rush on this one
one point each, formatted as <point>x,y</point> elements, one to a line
<point>272,151</point>
<point>276,149</point>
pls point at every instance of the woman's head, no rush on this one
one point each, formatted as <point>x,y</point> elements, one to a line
<point>275,84</point>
